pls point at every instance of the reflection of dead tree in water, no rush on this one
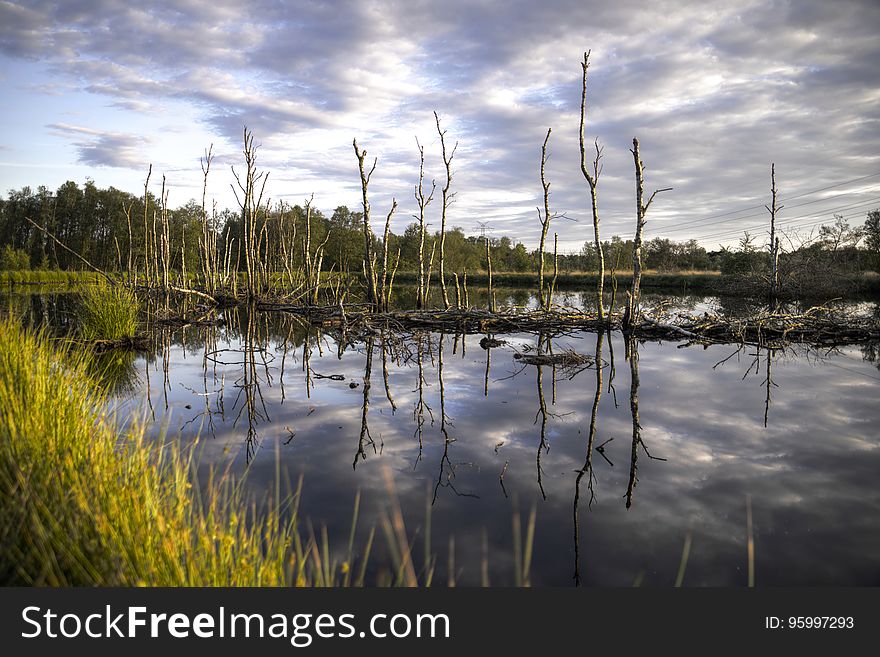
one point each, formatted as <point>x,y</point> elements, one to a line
<point>210,346</point>
<point>768,383</point>
<point>445,423</point>
<point>755,368</point>
<point>542,446</point>
<point>587,468</point>
<point>444,429</point>
<point>632,349</point>
<point>385,374</point>
<point>365,436</point>
<point>306,364</point>
<point>488,369</point>
<point>421,406</point>
<point>249,386</point>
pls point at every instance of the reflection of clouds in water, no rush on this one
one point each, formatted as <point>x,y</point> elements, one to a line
<point>811,474</point>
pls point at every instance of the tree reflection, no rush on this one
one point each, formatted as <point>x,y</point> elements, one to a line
<point>587,468</point>
<point>365,435</point>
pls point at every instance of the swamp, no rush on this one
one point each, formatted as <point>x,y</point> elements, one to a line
<point>616,459</point>
<point>270,396</point>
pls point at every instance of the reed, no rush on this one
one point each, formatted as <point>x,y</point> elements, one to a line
<point>83,504</point>
<point>108,313</point>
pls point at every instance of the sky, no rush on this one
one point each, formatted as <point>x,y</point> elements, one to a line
<point>714,91</point>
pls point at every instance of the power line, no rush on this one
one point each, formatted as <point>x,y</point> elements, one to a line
<point>761,206</point>
<point>764,214</point>
<point>790,223</point>
<point>789,220</point>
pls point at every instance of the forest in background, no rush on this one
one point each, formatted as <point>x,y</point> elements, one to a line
<point>95,223</point>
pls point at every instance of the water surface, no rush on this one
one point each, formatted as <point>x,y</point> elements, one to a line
<point>477,438</point>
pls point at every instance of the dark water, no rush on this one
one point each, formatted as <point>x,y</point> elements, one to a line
<point>479,438</point>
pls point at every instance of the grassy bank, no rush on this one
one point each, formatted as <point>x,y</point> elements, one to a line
<point>48,277</point>
<point>82,504</point>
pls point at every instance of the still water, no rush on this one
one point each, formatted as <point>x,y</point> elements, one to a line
<point>474,439</point>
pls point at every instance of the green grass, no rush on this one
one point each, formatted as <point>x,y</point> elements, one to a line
<point>107,313</point>
<point>82,504</point>
<point>47,277</point>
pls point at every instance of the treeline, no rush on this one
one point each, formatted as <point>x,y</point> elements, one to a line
<point>103,224</point>
<point>95,223</point>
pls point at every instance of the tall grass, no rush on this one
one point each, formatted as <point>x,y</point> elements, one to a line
<point>81,504</point>
<point>107,313</point>
<point>47,277</point>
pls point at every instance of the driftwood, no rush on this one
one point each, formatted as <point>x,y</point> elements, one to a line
<point>819,325</point>
<point>565,359</point>
<point>491,343</point>
<point>128,343</point>
<point>183,322</point>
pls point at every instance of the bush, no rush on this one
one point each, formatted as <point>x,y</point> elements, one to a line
<point>14,259</point>
<point>107,313</point>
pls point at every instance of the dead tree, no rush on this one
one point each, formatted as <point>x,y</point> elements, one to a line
<point>131,281</point>
<point>385,284</point>
<point>592,180</point>
<point>368,232</point>
<point>208,238</point>
<point>774,241</point>
<point>422,201</point>
<point>447,199</point>
<point>250,202</point>
<point>631,313</point>
<point>544,297</point>
<point>146,232</point>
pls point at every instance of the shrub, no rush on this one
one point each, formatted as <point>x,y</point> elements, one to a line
<point>107,312</point>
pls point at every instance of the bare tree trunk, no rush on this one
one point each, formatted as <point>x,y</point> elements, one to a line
<point>208,241</point>
<point>592,180</point>
<point>631,314</point>
<point>250,203</point>
<point>774,241</point>
<point>307,243</point>
<point>552,290</point>
<point>146,232</point>
<point>447,199</point>
<point>383,290</point>
<point>368,233</point>
<point>128,221</point>
<point>164,246</point>
<point>545,224</point>
<point>423,201</point>
<point>489,269</point>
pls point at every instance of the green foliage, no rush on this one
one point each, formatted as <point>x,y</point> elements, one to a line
<point>107,313</point>
<point>871,231</point>
<point>14,259</point>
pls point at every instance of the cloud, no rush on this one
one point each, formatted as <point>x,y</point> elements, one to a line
<point>100,148</point>
<point>714,91</point>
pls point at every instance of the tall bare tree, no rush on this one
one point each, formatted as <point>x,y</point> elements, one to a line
<point>592,180</point>
<point>447,199</point>
<point>545,225</point>
<point>250,202</point>
<point>368,232</point>
<point>774,241</point>
<point>631,314</point>
<point>422,202</point>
